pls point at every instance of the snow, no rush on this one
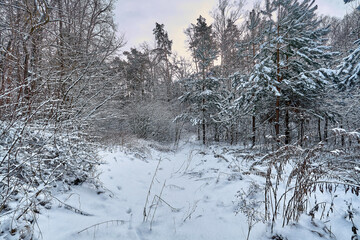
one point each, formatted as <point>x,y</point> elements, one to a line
<point>206,93</point>
<point>202,197</point>
<point>197,186</point>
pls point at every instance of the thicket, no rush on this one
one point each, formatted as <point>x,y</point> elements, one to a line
<point>53,78</point>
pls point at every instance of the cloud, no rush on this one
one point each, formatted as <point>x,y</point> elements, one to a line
<point>336,8</point>
<point>137,18</point>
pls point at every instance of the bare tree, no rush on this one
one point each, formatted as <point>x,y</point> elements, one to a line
<point>54,69</point>
<point>224,13</point>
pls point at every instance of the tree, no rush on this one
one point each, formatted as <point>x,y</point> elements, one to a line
<point>290,70</point>
<point>230,57</point>
<point>138,79</point>
<point>348,1</point>
<point>252,25</point>
<point>225,16</point>
<point>350,67</point>
<point>53,79</point>
<point>163,51</point>
<point>201,86</point>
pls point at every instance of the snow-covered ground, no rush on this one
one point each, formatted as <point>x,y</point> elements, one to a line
<point>192,196</point>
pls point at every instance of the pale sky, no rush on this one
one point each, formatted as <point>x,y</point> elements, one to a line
<point>136,18</point>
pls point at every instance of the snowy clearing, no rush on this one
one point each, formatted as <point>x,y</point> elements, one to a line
<point>193,196</point>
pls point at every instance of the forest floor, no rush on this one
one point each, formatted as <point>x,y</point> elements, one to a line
<point>188,193</point>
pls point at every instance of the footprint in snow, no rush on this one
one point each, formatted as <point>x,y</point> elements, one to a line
<point>175,187</point>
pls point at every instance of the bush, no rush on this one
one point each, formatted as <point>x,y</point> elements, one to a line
<point>35,159</point>
<point>151,120</point>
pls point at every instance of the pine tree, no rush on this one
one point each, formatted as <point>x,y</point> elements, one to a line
<point>163,52</point>
<point>137,74</point>
<point>252,25</point>
<point>230,58</point>
<point>225,16</point>
<point>227,34</point>
<point>289,71</point>
<point>350,67</point>
<point>201,87</point>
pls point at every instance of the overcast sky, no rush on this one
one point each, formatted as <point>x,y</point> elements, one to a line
<point>136,18</point>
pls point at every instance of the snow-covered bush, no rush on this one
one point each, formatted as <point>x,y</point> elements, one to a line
<point>295,176</point>
<point>249,204</point>
<point>153,120</point>
<point>34,159</point>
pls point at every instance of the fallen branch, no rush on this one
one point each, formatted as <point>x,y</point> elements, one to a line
<point>71,208</point>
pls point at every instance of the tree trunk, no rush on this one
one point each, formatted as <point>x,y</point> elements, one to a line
<point>216,134</point>
<point>198,133</point>
<point>277,110</point>
<point>342,137</point>
<point>203,108</point>
<point>168,80</point>
<point>253,117</point>
<point>301,131</point>
<point>319,129</point>
<point>60,91</point>
<point>26,62</point>
<point>326,129</point>
<point>204,132</point>
<point>287,127</point>
<point>277,118</point>
<point>231,134</point>
<point>253,131</point>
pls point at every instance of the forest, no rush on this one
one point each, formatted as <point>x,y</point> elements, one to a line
<point>254,135</point>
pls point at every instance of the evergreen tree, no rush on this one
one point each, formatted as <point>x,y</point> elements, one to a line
<point>289,71</point>
<point>163,52</point>
<point>350,68</point>
<point>201,87</point>
<point>138,82</point>
<point>202,45</point>
<point>225,16</point>
<point>163,44</point>
<point>252,25</point>
<point>231,60</point>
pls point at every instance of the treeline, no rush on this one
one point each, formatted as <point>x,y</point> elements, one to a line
<point>277,74</point>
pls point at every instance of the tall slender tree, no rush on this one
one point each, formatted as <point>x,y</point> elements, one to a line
<point>252,25</point>
<point>201,87</point>
<point>225,16</point>
<point>163,52</point>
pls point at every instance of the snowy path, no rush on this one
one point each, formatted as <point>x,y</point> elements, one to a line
<point>200,194</point>
<point>197,187</point>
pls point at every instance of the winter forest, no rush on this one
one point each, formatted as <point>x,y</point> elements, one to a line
<point>255,134</point>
